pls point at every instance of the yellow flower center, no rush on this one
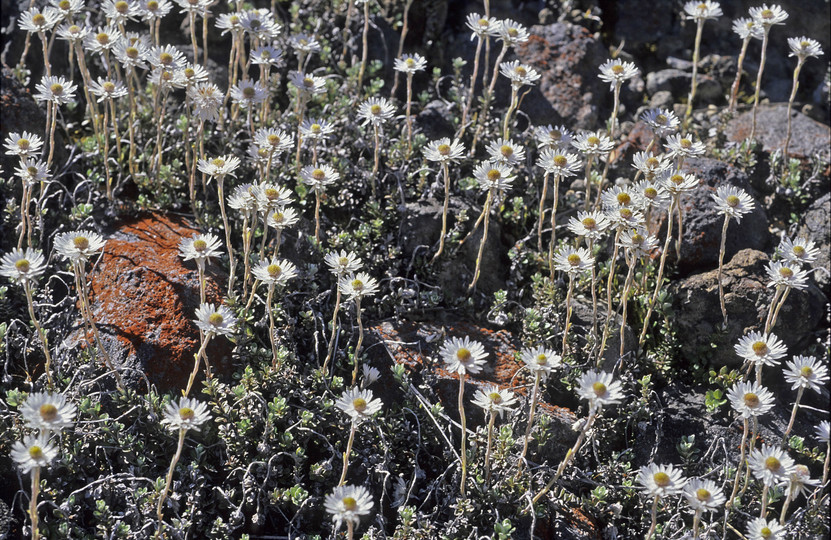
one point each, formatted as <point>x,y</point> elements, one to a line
<point>594,141</point>
<point>410,62</point>
<point>661,119</point>
<point>273,139</point>
<point>804,44</point>
<point>186,413</point>
<point>357,284</point>
<point>732,201</point>
<point>767,14</point>
<point>218,162</point>
<point>685,143</point>
<point>624,198</point>
<point>521,71</point>
<point>483,23</point>
<point>773,464</point>
<point>444,149</point>
<point>152,5</point>
<point>349,504</point>
<point>599,389</point>
<point>702,7</point>
<point>248,92</point>
<point>102,38</point>
<point>200,245</point>
<point>806,372</point>
<point>495,397</point>
<point>506,150</point>
<point>463,355</point>
<point>39,19</point>
<point>799,251</point>
<point>216,319</point>
<point>109,87</point>
<point>48,412</point>
<point>318,174</point>
<point>652,162</point>
<point>542,359</point>
<point>494,175</point>
<point>637,239</point>
<point>359,404</point>
<point>661,479</point>
<point>271,194</point>
<point>274,270</point>
<point>617,69</point>
<point>74,29</point>
<point>36,453</point>
<point>625,213</point>
<point>190,72</point>
<point>375,110</point>
<point>262,152</point>
<point>56,89</point>
<point>765,532</point>
<point>703,495</point>
<point>131,52</point>
<point>343,261</point>
<point>166,58</point>
<point>650,193</point>
<point>760,348</point>
<point>64,4</point>
<point>676,179</point>
<point>32,170</point>
<point>277,217</point>
<point>314,128</point>
<point>80,242</point>
<point>590,223</point>
<point>308,82</point>
<point>22,266</point>
<point>513,32</point>
<point>560,161</point>
<point>122,7</point>
<point>751,400</point>
<point>786,272</point>
<point>555,135</point>
<point>574,259</point>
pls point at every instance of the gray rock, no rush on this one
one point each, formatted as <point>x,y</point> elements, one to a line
<point>661,100</point>
<point>698,318</point>
<point>434,120</point>
<point>678,83</point>
<point>809,138</point>
<point>816,225</point>
<point>702,225</point>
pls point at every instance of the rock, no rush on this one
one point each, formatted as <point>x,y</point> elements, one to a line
<point>702,225</point>
<point>419,235</point>
<point>581,320</point>
<point>816,225</point>
<point>144,299</point>
<point>20,112</point>
<point>662,99</point>
<point>698,318</point>
<point>809,138</point>
<point>434,120</point>
<point>567,56</point>
<point>678,83</point>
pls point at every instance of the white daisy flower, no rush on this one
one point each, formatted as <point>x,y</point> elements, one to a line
<point>494,401</point>
<point>206,99</point>
<point>750,399</point>
<point>559,163</point>
<point>685,146</point>
<point>154,10</point>
<point>701,10</point>
<point>444,150</point>
<point>759,348</point>
<point>271,197</point>
<point>23,145</point>
<point>260,24</point>
<point>512,33</point>
<point>493,176</point>
<point>733,202</point>
<point>677,183</point>
<point>221,166</point>
<point>798,250</point>
<point>649,196</point>
<point>662,122</point>
<point>46,411</point>
<point>410,63</point>
<point>107,89</point>
<point>215,320</point>
<point>803,47</point>
<point>590,225</point>
<point>230,22</point>
<point>370,375</point>
<point>358,285</point>
<point>187,413</point>
<point>34,451</point>
<point>638,242</point>
<point>519,74</point>
<point>651,166</point>
<point>22,266</point>
<point>118,12</point>
<point>248,94</point>
<point>200,248</point>
<point>192,74</point>
<point>348,503</point>
<point>131,55</point>
<point>661,480</point>
<point>624,217</point>
<point>32,171</point>
<point>275,141</point>
<point>787,275</point>
<point>703,495</point>
<point>67,8</point>
<point>747,28</point>
<point>556,138</point>
<point>244,199</point>
<point>79,245</point>
<point>266,55</point>
<point>319,177</point>
<point>58,90</point>
<point>358,404</point>
<point>762,529</point>
<point>167,57</point>
<point>103,39</point>
<point>806,372</point>
<point>599,389</point>
<point>462,355</point>
<point>506,152</point>
<point>311,84</point>
<point>304,43</point>
<point>375,111</point>
<point>274,272</point>
<point>615,197</point>
<point>345,262</point>
<point>316,128</point>
<point>73,33</point>
<point>616,71</point>
<point>593,143</point>
<point>771,465</point>
<point>282,218</point>
<point>541,360</point>
<point>823,431</point>
<point>768,16</point>
<point>35,20</point>
<point>482,26</point>
<point>573,260</point>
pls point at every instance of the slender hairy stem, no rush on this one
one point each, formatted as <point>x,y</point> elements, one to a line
<point>168,480</point>
<point>350,530</point>
<point>721,269</point>
<point>593,411</point>
<point>753,432</point>
<point>346,28</point>
<point>774,301</point>
<point>694,83</point>
<point>317,216</point>
<point>409,111</point>
<point>220,189</point>
<point>205,340</point>
<point>33,502</point>
<point>738,466</point>
<point>360,340</point>
<point>542,211</point>
<point>488,449</point>
<point>487,213</point>
<point>779,306</point>
<point>470,91</point>
<point>660,277</point>
<point>347,453</point>
<point>696,523</point>
<point>790,106</point>
<point>785,505</point>
<point>483,114</point>
<point>365,51</point>
<point>654,515</point>
<point>568,311</point>
<point>444,211</point>
<point>759,82</point>
<point>87,308</point>
<point>763,512</point>
<point>510,111</point>
<point>627,287</point>
<point>271,334</point>
<point>793,415</point>
<point>463,420</point>
<point>825,467</point>
<point>588,181</point>
<point>530,426</point>
<point>331,350</point>
<point>552,242</point>
<point>609,311</point>
<point>27,287</point>
<point>405,28</point>
<point>734,92</point>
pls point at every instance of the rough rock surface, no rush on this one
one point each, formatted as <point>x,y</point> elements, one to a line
<point>809,137</point>
<point>144,298</point>
<point>816,225</point>
<point>702,225</point>
<point>698,318</point>
<point>434,120</point>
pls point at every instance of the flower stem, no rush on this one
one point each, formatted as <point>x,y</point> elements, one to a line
<point>317,216</point>
<point>759,82</point>
<point>721,268</point>
<point>627,287</point>
<point>790,106</point>
<point>27,287</point>
<point>511,108</point>
<point>568,311</point>
<point>570,454</point>
<point>360,340</point>
<point>694,83</point>
<point>444,211</point>
<point>785,505</point>
<point>365,51</point>
<point>331,350</point>
<point>654,515</point>
<point>530,426</point>
<point>274,361</point>
<point>168,480</point>
<point>220,190</point>
<point>409,109</point>
<point>487,213</point>
<point>33,502</point>
<point>488,449</point>
<point>764,509</point>
<point>660,277</point>
<point>734,92</point>
<point>462,419</point>
<point>729,503</point>
<point>609,311</point>
<point>793,416</point>
<point>347,453</point>
<point>553,241</point>
<point>696,523</point>
<point>469,100</point>
<point>206,339</point>
<point>542,211</point>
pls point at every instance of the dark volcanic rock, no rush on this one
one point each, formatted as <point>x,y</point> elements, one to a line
<point>434,120</point>
<point>702,225</point>
<point>144,298</point>
<point>747,298</point>
<point>20,113</point>
<point>809,138</point>
<point>816,226</point>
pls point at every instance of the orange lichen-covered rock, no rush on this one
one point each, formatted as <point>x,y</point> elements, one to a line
<point>144,298</point>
